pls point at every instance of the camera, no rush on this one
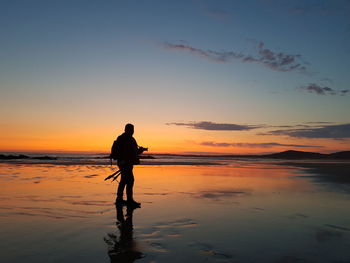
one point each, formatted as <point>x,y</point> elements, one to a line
<point>142,149</point>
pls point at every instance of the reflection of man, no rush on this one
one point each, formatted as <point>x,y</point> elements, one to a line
<point>125,249</point>
<point>127,155</point>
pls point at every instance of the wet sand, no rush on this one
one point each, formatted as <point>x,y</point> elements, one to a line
<point>247,212</point>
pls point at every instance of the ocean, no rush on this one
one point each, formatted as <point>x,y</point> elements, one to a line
<point>193,209</point>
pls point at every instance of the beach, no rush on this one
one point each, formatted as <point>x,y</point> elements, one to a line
<point>235,112</point>
<point>239,211</point>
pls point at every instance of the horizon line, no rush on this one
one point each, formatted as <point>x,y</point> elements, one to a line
<point>160,153</point>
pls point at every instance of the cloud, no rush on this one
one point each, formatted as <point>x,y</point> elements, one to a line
<point>212,126</point>
<point>340,131</point>
<point>327,80</point>
<point>319,90</point>
<point>277,61</point>
<point>319,122</point>
<point>254,145</point>
<point>301,7</point>
<point>217,13</point>
<point>299,10</point>
<point>216,56</point>
<point>319,7</point>
<point>308,130</point>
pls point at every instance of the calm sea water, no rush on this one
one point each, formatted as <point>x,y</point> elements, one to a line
<point>161,159</point>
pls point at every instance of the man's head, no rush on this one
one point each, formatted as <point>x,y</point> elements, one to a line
<point>129,129</point>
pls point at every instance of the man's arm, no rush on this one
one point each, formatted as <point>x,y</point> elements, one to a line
<point>141,149</point>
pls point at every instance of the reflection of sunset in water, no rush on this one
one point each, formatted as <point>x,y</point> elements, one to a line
<point>203,211</point>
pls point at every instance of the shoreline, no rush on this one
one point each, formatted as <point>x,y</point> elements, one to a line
<point>157,162</point>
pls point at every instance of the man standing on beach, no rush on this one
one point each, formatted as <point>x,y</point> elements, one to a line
<point>127,156</point>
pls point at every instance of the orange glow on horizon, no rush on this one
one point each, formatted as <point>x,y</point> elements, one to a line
<point>158,138</point>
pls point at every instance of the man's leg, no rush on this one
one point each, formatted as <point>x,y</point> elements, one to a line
<point>130,186</point>
<point>122,183</point>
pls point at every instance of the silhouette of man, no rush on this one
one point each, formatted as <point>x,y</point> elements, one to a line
<point>128,155</point>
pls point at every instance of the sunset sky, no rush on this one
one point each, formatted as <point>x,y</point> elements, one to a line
<point>192,76</point>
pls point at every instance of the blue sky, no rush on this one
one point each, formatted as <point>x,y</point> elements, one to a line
<point>156,62</point>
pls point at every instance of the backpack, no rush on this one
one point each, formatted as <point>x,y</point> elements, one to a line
<point>114,153</point>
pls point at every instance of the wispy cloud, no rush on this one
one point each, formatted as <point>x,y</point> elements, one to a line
<point>217,13</point>
<point>212,126</point>
<point>320,7</point>
<point>340,131</point>
<point>318,122</point>
<point>301,7</point>
<point>322,90</point>
<point>277,61</point>
<point>216,56</point>
<point>299,10</point>
<point>328,80</point>
<point>254,145</point>
<point>318,129</point>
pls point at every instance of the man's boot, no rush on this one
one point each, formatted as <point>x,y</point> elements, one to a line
<point>130,200</point>
<point>119,200</point>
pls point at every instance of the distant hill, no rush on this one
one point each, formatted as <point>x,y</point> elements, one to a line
<point>296,155</point>
<point>308,155</point>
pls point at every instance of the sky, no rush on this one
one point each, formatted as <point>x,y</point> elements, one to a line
<point>194,76</point>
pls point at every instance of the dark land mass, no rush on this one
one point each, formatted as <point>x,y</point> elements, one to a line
<point>13,157</point>
<point>22,156</point>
